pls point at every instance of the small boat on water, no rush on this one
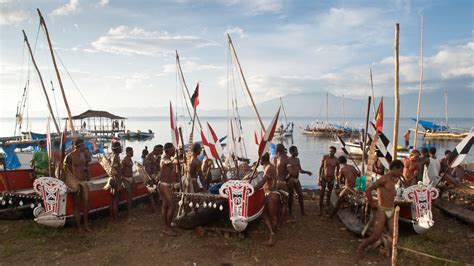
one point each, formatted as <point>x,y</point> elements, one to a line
<point>136,135</point>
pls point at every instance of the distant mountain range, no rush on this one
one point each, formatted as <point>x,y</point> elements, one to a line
<point>314,105</point>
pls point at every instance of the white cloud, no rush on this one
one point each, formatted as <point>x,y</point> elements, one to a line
<point>11,17</point>
<point>66,9</point>
<point>189,66</point>
<point>236,30</point>
<point>103,3</point>
<point>125,40</point>
<point>453,62</point>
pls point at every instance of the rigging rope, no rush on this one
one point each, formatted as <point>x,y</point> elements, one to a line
<point>70,77</point>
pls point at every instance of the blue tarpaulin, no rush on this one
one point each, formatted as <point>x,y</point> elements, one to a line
<point>428,125</point>
<point>11,160</point>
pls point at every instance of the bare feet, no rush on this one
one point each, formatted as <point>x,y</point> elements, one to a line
<point>271,240</point>
<point>169,232</point>
<point>87,229</point>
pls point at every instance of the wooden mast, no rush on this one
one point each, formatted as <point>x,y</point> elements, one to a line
<point>42,22</point>
<point>364,143</point>
<point>178,62</point>
<point>446,106</point>
<point>245,83</point>
<point>372,90</point>
<point>283,107</point>
<point>195,115</point>
<point>397,99</point>
<point>421,86</point>
<point>42,83</point>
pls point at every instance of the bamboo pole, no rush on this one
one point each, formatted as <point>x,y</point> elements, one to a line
<point>178,62</point>
<point>42,83</point>
<point>364,143</point>
<point>397,99</point>
<point>372,90</point>
<point>421,86</point>
<point>395,236</point>
<point>42,22</point>
<point>245,83</point>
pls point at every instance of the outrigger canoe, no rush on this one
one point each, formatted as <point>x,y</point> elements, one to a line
<point>414,202</point>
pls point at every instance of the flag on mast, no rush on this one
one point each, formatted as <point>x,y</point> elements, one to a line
<point>209,147</point>
<point>174,129</point>
<point>195,97</point>
<point>265,142</point>
<point>214,139</point>
<point>379,117</point>
<point>462,149</point>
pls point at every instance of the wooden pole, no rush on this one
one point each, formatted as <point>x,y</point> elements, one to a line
<point>397,99</point>
<point>395,236</point>
<point>178,62</point>
<point>364,143</point>
<point>446,106</point>
<point>42,83</point>
<point>421,86</point>
<point>372,90</point>
<point>42,22</point>
<point>245,83</point>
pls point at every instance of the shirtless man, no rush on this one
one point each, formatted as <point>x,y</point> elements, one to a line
<point>168,178</point>
<point>385,187</point>
<point>412,167</point>
<point>195,169</point>
<point>281,164</point>
<point>152,161</point>
<point>116,182</point>
<point>74,164</point>
<point>444,162</point>
<point>273,204</point>
<point>327,174</point>
<point>127,172</point>
<point>294,169</point>
<point>348,173</point>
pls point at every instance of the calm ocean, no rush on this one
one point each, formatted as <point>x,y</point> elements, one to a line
<point>311,148</point>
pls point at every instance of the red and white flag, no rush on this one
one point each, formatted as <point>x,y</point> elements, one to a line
<point>265,142</point>
<point>256,138</point>
<point>209,147</point>
<point>214,139</point>
<point>174,129</point>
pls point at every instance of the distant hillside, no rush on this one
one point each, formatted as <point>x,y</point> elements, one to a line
<point>314,105</point>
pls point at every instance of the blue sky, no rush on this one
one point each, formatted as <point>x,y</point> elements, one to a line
<point>121,53</point>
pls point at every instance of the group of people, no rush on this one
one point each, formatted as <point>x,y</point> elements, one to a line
<point>425,167</point>
<point>280,181</point>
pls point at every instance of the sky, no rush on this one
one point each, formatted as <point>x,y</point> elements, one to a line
<point>121,54</point>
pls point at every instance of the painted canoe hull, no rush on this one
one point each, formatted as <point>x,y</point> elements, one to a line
<point>21,179</point>
<point>245,204</point>
<point>58,205</point>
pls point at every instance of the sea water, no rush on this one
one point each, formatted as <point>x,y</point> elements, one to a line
<point>311,149</point>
